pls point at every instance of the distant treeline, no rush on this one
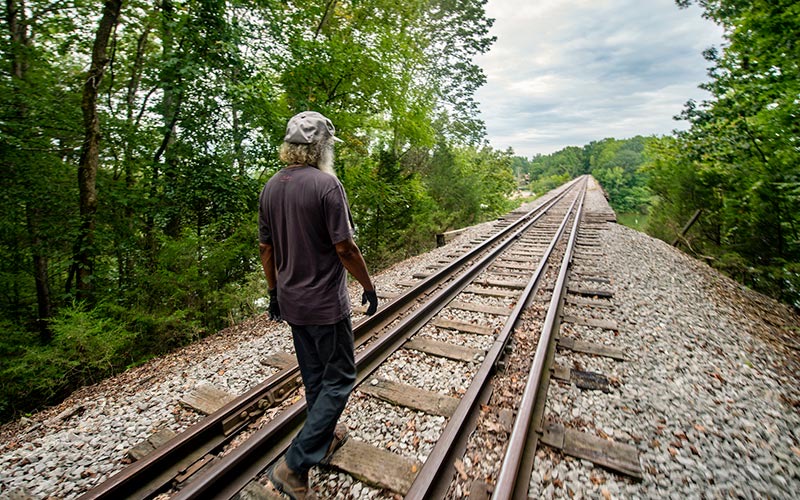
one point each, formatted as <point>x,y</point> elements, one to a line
<point>735,173</point>
<point>616,164</point>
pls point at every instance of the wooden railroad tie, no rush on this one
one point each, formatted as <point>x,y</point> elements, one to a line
<point>616,456</point>
<point>491,292</point>
<point>410,397</point>
<point>280,360</point>
<point>592,322</point>
<point>147,446</point>
<point>515,285</point>
<point>516,264</point>
<point>375,466</point>
<point>518,258</point>
<point>444,349</point>
<point>481,308</point>
<point>593,279</point>
<point>206,399</point>
<point>580,301</point>
<point>527,256</point>
<point>408,283</point>
<point>591,348</point>
<point>509,273</point>
<point>586,292</point>
<point>379,467</point>
<point>585,380</point>
<point>462,326</point>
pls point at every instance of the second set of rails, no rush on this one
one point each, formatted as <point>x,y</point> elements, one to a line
<point>524,262</point>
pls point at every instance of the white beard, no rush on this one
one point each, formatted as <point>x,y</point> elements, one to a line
<point>325,163</point>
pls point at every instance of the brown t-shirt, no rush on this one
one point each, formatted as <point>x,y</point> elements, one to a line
<point>303,213</point>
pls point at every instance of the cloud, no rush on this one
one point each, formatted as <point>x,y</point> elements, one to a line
<point>569,72</point>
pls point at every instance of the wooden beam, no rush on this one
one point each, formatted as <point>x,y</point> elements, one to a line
<point>280,360</point>
<point>410,397</point>
<point>444,349</point>
<point>206,399</point>
<point>579,301</point>
<point>375,466</point>
<point>619,457</point>
<point>591,322</point>
<point>517,285</point>
<point>591,293</point>
<point>462,326</point>
<point>491,292</point>
<point>590,348</point>
<point>481,308</point>
<point>687,227</point>
<point>147,446</point>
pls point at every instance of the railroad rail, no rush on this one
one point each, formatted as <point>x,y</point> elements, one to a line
<point>194,449</point>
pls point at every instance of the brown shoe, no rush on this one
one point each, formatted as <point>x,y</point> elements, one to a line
<point>289,482</point>
<point>340,435</point>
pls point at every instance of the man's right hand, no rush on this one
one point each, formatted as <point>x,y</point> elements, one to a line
<point>274,308</point>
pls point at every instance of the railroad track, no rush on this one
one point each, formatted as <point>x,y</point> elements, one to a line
<point>524,263</point>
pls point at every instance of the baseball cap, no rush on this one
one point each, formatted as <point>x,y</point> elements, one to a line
<point>308,127</point>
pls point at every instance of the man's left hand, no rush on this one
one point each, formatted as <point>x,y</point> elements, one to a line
<point>371,297</point>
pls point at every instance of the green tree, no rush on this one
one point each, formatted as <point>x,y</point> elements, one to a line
<point>617,165</point>
<point>742,145</point>
<point>90,150</point>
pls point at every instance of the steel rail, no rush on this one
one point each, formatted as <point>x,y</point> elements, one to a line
<point>510,482</point>
<point>151,474</point>
<point>225,478</point>
<point>436,474</point>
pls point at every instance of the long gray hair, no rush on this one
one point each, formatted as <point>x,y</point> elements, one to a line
<point>318,154</point>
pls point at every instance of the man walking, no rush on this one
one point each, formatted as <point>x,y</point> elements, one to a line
<point>307,248</point>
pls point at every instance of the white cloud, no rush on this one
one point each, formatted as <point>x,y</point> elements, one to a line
<point>569,72</point>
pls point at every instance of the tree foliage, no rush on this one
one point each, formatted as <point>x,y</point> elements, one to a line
<point>176,109</point>
<point>739,162</point>
<point>616,164</point>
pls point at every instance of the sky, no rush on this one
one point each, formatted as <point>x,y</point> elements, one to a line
<point>568,72</point>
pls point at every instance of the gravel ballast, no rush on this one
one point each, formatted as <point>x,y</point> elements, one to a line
<point>709,396</point>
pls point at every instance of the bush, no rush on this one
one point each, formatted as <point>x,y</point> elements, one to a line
<point>85,348</point>
<point>545,184</point>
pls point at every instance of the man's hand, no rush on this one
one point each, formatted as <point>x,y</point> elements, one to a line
<point>274,308</point>
<point>371,297</point>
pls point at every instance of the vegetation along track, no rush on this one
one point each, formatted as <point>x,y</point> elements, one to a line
<point>413,333</point>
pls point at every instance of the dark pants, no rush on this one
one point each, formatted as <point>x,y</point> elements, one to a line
<point>327,363</point>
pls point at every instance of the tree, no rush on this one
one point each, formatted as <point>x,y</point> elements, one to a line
<point>90,151</point>
<point>742,143</point>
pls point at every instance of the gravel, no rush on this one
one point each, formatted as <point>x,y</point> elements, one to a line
<point>709,396</point>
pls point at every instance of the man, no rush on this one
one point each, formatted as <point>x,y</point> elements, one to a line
<point>307,247</point>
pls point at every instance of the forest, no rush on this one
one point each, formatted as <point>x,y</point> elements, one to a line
<point>136,136</point>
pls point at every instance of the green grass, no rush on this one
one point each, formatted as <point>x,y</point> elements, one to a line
<point>633,220</point>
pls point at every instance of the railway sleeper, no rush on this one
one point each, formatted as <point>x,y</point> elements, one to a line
<point>584,380</point>
<point>618,457</point>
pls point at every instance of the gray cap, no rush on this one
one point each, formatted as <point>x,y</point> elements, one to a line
<point>309,127</point>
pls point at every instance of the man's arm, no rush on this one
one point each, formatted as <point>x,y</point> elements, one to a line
<point>353,261</point>
<point>268,263</point>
